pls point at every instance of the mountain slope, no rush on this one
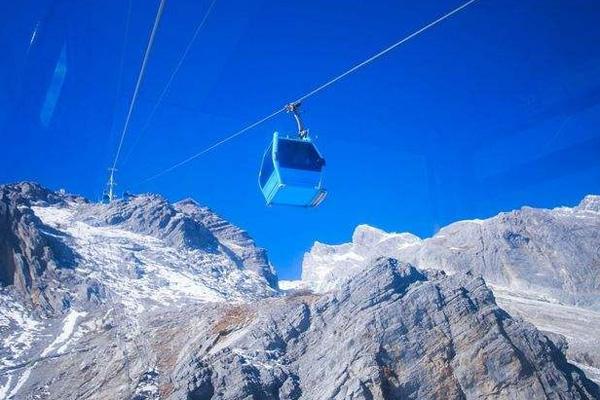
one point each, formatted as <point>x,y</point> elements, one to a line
<point>543,265</point>
<point>68,265</point>
<point>391,332</point>
<point>552,253</point>
<point>142,299</point>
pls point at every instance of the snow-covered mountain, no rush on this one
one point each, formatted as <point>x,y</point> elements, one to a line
<point>62,256</point>
<point>543,265</point>
<point>550,253</point>
<point>326,267</point>
<point>142,299</point>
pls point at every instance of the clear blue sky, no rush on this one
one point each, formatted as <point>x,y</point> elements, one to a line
<point>493,109</point>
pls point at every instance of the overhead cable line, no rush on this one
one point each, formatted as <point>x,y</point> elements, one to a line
<point>135,94</point>
<point>217,144</point>
<point>314,91</point>
<point>121,67</point>
<point>110,183</point>
<point>171,78</point>
<point>383,52</point>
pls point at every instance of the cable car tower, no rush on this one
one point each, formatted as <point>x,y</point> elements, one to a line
<point>109,192</point>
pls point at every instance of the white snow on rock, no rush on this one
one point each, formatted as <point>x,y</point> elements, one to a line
<point>142,270</point>
<point>20,328</point>
<point>20,331</point>
<point>59,345</point>
<point>22,379</point>
<point>325,267</point>
<point>4,388</point>
<point>291,285</point>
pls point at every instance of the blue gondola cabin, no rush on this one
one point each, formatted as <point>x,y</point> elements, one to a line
<point>291,173</point>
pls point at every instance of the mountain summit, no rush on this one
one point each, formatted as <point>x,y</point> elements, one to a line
<point>550,253</point>
<point>542,264</point>
<point>60,250</point>
<point>143,299</point>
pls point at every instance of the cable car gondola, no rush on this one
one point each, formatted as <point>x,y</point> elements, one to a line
<point>291,170</point>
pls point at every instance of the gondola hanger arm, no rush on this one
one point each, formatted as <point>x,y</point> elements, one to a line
<point>294,108</point>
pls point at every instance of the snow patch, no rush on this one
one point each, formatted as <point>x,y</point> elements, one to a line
<point>4,388</point>
<point>19,383</point>
<point>143,271</point>
<point>61,340</point>
<point>291,285</point>
<point>21,327</point>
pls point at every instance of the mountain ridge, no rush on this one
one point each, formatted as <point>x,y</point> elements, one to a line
<point>142,299</point>
<point>542,264</point>
<point>570,232</point>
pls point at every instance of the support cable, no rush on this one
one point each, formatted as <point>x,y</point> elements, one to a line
<point>314,91</point>
<point>171,78</point>
<point>137,86</point>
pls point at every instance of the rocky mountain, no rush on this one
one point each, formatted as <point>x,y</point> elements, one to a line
<point>542,264</point>
<point>53,244</point>
<point>142,299</point>
<point>63,257</point>
<point>326,267</point>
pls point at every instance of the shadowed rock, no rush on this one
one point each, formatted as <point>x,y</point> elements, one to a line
<point>31,257</point>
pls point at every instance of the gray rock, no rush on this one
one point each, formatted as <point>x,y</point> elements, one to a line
<point>542,264</point>
<point>236,242</point>
<point>142,299</point>
<point>389,332</point>
<point>553,253</point>
<point>32,257</point>
<point>392,331</point>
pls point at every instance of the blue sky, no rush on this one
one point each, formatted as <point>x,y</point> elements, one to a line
<point>495,108</point>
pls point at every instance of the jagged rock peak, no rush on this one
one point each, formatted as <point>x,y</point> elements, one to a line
<point>546,251</point>
<point>188,201</point>
<point>590,203</point>
<point>28,193</point>
<point>153,215</point>
<point>46,239</point>
<point>391,331</point>
<point>325,266</point>
<point>366,235</point>
<point>236,240</point>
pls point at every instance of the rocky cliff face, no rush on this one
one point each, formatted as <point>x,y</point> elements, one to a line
<point>31,259</point>
<point>543,265</point>
<point>551,253</point>
<point>235,241</point>
<point>142,299</point>
<point>391,331</point>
